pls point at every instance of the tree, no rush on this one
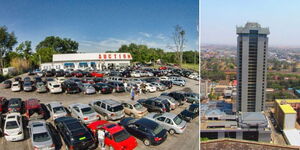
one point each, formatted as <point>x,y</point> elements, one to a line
<point>7,41</point>
<point>44,54</point>
<point>24,49</point>
<point>179,42</point>
<point>63,46</point>
<point>20,64</point>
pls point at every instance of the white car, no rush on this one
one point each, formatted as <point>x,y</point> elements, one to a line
<point>135,74</point>
<point>60,79</point>
<point>16,86</point>
<point>193,75</point>
<point>13,127</point>
<point>54,87</point>
<point>56,110</point>
<point>150,87</point>
<point>84,112</point>
<point>150,74</point>
<point>164,78</point>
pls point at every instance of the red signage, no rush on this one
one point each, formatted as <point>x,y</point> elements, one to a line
<point>105,56</point>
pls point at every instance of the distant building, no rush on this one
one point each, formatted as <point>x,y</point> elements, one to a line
<point>205,88</point>
<point>97,61</point>
<point>252,67</point>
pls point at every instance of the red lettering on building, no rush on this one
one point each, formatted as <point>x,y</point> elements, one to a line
<point>115,56</point>
<point>124,56</point>
<point>120,56</point>
<point>109,56</point>
<point>104,56</point>
<point>100,56</point>
<point>129,56</point>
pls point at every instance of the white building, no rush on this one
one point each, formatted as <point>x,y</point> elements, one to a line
<point>97,61</point>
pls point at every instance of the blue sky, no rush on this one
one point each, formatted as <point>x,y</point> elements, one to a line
<point>100,25</point>
<point>219,19</point>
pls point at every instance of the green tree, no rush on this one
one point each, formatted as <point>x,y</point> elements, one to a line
<point>44,54</point>
<point>24,49</point>
<point>7,41</point>
<point>59,45</point>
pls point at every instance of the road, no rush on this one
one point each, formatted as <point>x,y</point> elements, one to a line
<point>189,140</point>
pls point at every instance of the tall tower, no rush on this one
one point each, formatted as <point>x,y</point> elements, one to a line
<point>252,46</point>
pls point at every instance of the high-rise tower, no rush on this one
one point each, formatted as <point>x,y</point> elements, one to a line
<point>252,46</point>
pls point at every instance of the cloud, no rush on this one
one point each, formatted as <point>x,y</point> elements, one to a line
<point>161,37</point>
<point>145,34</point>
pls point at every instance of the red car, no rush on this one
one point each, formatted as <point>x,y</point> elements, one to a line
<point>116,136</point>
<point>97,74</point>
<point>33,109</point>
<point>90,81</point>
<point>163,68</point>
<point>3,104</point>
<point>77,74</point>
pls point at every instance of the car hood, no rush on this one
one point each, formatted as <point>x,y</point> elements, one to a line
<point>12,131</point>
<point>187,113</point>
<point>150,116</point>
<point>129,143</point>
<point>42,144</point>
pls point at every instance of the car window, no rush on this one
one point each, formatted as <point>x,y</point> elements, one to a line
<point>11,125</point>
<point>76,108</point>
<point>130,106</point>
<point>142,128</point>
<point>103,105</point>
<point>41,137</point>
<point>49,106</point>
<point>169,121</point>
<point>161,119</point>
<point>98,103</point>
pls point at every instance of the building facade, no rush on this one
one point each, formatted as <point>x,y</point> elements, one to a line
<point>252,47</point>
<point>97,61</point>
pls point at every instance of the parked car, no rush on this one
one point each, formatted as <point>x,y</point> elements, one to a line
<point>68,74</point>
<point>37,79</point>
<point>16,86</point>
<point>109,109</point>
<point>97,74</point>
<point>136,74</point>
<point>164,78</point>
<point>178,96</point>
<point>7,84</point>
<point>101,80</point>
<point>33,109</point>
<point>77,74</point>
<point>49,73</point>
<point>56,110</point>
<point>134,109</point>
<point>83,112</point>
<point>75,135</point>
<point>88,80</point>
<point>150,132</point>
<point>179,82</point>
<point>103,88</point>
<point>169,121</point>
<point>27,86</point>
<point>159,86</point>
<point>88,89</point>
<point>150,87</point>
<point>54,87</point>
<point>26,79</point>
<point>15,105</point>
<point>173,103</point>
<point>116,136</point>
<point>192,97</point>
<point>70,87</point>
<point>168,84</point>
<point>154,105</point>
<point>76,80</point>
<point>40,87</point>
<point>117,86</point>
<point>86,74</point>
<point>59,73</point>
<point>40,135</point>
<point>13,127</point>
<point>60,79</point>
<point>190,113</point>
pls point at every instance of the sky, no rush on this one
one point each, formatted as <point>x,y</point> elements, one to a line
<point>101,25</point>
<point>220,18</point>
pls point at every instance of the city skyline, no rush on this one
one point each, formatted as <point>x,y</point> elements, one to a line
<point>99,26</point>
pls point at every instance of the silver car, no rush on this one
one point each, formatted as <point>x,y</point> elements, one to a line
<point>40,87</point>
<point>159,86</point>
<point>173,103</point>
<point>56,110</point>
<point>169,121</point>
<point>84,113</point>
<point>40,135</point>
<point>88,89</point>
<point>27,86</point>
<point>109,109</point>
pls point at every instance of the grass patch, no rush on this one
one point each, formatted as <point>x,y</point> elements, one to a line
<point>194,67</point>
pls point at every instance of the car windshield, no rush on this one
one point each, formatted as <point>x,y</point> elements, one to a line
<point>27,84</point>
<point>121,136</point>
<point>116,108</point>
<point>58,109</point>
<point>41,137</point>
<point>156,115</point>
<point>12,125</point>
<point>138,106</point>
<point>177,120</point>
<point>158,129</point>
<point>56,85</point>
<point>87,110</point>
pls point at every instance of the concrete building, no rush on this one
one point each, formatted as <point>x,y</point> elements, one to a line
<point>97,61</point>
<point>252,47</point>
<point>205,88</point>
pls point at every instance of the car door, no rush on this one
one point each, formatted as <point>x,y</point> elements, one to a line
<point>49,109</point>
<point>161,121</point>
<point>103,109</point>
<point>168,124</point>
<point>76,112</point>
<point>126,108</point>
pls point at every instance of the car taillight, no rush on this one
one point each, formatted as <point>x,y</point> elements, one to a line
<point>164,109</point>
<point>85,118</point>
<point>157,139</point>
<point>9,109</point>
<point>53,145</point>
<point>103,89</point>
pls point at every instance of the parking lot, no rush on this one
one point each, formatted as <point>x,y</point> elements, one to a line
<point>188,140</point>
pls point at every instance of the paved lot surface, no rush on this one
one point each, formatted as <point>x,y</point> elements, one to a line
<point>189,140</point>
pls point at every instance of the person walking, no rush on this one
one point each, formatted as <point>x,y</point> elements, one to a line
<point>101,136</point>
<point>132,93</point>
<point>125,86</point>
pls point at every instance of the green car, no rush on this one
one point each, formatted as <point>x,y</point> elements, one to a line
<point>192,97</point>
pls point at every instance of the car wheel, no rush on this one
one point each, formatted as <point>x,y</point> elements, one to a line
<point>146,142</point>
<point>172,131</point>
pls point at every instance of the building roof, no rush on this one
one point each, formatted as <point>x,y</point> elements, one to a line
<point>287,109</point>
<point>292,136</point>
<point>252,116</point>
<point>287,100</point>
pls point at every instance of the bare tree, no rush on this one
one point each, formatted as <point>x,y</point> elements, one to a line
<point>179,41</point>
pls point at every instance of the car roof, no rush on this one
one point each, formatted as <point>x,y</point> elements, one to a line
<point>146,123</point>
<point>110,102</point>
<point>15,99</point>
<point>38,126</point>
<point>32,103</point>
<point>131,102</point>
<point>169,115</point>
<point>54,104</point>
<point>80,105</point>
<point>12,116</point>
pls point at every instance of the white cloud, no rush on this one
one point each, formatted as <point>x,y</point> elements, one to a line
<point>145,34</point>
<point>161,37</point>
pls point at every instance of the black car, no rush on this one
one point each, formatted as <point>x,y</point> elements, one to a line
<point>48,80</point>
<point>150,132</point>
<point>101,80</point>
<point>59,73</point>
<point>70,87</point>
<point>31,73</point>
<point>7,84</point>
<point>86,74</point>
<point>155,105</point>
<point>103,88</point>
<point>75,135</point>
<point>15,105</point>
<point>37,79</point>
<point>157,73</point>
<point>49,74</point>
<point>68,74</point>
<point>178,96</point>
<point>168,84</point>
<point>18,79</point>
<point>151,79</point>
<point>190,113</point>
<point>125,74</point>
<point>117,86</point>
